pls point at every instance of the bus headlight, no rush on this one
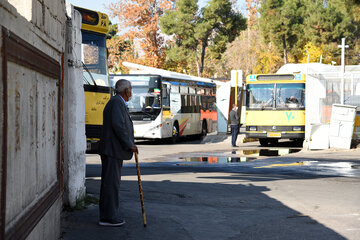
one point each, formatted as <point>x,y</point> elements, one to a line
<point>156,127</point>
<point>296,128</point>
<point>252,128</point>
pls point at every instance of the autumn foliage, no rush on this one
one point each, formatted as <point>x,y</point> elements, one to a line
<point>139,21</point>
<point>210,40</point>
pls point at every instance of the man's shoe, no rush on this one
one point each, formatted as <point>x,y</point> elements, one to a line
<point>234,145</point>
<point>111,224</point>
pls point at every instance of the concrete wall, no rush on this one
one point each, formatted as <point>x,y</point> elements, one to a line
<point>2,126</point>
<point>40,22</point>
<point>222,103</point>
<point>32,196</point>
<point>74,113</point>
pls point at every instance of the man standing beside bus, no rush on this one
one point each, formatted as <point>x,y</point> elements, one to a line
<point>234,123</point>
<point>116,145</point>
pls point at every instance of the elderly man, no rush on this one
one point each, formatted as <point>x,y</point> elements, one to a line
<point>116,145</point>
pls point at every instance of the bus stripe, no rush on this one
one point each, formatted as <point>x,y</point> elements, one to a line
<point>182,126</point>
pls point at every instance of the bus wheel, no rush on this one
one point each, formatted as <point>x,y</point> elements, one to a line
<point>175,133</point>
<point>203,130</point>
<point>263,141</point>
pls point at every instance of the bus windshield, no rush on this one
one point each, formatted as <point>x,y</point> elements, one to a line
<point>144,99</point>
<point>290,95</point>
<point>260,96</point>
<point>146,94</point>
<point>94,59</point>
<point>276,96</point>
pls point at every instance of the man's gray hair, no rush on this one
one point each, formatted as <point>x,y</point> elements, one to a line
<point>121,85</point>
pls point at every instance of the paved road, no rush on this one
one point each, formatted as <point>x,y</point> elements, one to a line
<point>208,190</point>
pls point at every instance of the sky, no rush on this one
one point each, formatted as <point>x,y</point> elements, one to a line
<point>99,5</point>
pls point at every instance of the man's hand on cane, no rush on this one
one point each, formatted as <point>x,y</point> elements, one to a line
<point>134,149</point>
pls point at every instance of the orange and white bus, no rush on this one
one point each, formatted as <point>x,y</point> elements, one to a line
<point>170,105</point>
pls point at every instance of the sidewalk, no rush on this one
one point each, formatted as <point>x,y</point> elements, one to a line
<point>205,204</point>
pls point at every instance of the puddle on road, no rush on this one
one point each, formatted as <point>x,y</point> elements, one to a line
<point>267,152</point>
<point>247,155</point>
<point>213,160</point>
<point>348,169</point>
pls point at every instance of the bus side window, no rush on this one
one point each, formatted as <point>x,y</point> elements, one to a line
<point>198,104</point>
<point>165,96</point>
<point>188,104</point>
<point>204,104</point>
<point>211,103</point>
<point>183,104</point>
<point>193,105</point>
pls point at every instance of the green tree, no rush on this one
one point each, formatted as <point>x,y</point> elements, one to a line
<point>113,30</point>
<point>281,23</point>
<point>196,33</point>
<point>291,24</point>
<point>350,24</point>
<point>327,22</point>
<point>180,24</point>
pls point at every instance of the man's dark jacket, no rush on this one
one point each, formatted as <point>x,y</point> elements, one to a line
<point>117,136</point>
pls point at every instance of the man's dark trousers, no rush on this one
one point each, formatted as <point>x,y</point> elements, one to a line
<point>234,134</point>
<point>110,189</point>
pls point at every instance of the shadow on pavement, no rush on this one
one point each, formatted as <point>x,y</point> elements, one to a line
<point>189,208</point>
<point>194,139</point>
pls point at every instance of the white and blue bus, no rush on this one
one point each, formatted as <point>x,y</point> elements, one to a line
<point>166,104</point>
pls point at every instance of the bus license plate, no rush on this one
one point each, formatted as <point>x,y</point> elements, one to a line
<point>274,135</point>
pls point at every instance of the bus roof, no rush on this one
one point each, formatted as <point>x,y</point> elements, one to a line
<point>263,78</point>
<point>93,21</point>
<point>140,69</point>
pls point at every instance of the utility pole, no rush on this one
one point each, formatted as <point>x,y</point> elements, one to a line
<point>343,46</point>
<point>236,87</point>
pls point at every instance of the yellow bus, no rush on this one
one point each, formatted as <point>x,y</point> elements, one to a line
<point>94,28</point>
<point>275,107</point>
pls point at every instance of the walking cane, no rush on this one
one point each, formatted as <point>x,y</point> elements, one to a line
<point>140,190</point>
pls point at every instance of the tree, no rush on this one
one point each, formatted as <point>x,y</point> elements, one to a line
<point>291,24</point>
<point>268,60</point>
<point>252,9</point>
<point>140,22</point>
<point>241,53</point>
<point>347,26</point>
<point>281,23</point>
<point>113,30</point>
<point>251,54</point>
<point>313,53</point>
<point>180,24</point>
<point>120,50</point>
<point>196,33</point>
<point>327,23</point>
